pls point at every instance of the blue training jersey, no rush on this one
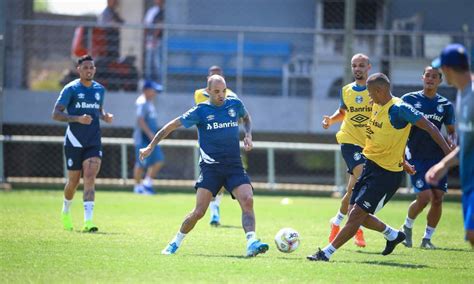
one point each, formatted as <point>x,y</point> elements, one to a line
<point>146,110</point>
<point>401,114</point>
<point>466,138</point>
<point>79,100</point>
<point>439,111</point>
<point>218,130</point>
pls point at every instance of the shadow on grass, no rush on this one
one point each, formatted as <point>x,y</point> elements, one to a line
<point>389,263</point>
<point>450,249</point>
<point>229,227</point>
<point>98,233</point>
<point>220,255</point>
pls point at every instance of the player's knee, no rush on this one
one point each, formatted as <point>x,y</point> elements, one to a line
<point>247,201</point>
<point>437,201</point>
<point>198,213</point>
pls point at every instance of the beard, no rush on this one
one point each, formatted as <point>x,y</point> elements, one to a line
<point>359,76</point>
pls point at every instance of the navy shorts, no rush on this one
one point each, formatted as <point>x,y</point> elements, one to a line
<point>468,209</point>
<point>214,177</point>
<point>375,187</point>
<point>156,156</point>
<point>75,156</point>
<point>352,154</point>
<point>418,179</point>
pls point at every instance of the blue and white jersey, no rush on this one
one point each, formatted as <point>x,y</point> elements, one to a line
<point>218,130</point>
<point>439,111</point>
<point>79,100</point>
<point>466,138</point>
<point>146,110</point>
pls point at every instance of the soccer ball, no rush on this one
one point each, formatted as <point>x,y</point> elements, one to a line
<point>287,240</point>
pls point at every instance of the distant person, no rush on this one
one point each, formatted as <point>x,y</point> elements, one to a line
<point>422,152</point>
<point>387,134</point>
<point>154,16</point>
<point>201,95</point>
<point>145,128</point>
<point>111,18</point>
<point>454,63</point>
<point>80,104</point>
<point>217,121</point>
<point>354,112</point>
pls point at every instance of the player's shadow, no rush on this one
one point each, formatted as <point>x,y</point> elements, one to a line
<point>99,233</point>
<point>221,255</point>
<point>389,263</point>
<point>451,249</point>
<point>229,227</point>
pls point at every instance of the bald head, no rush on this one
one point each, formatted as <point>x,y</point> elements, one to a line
<point>360,56</point>
<point>213,79</point>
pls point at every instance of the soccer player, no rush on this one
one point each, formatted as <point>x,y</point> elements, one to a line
<point>80,104</point>
<point>387,134</point>
<point>217,121</point>
<point>454,63</point>
<point>145,129</point>
<point>354,112</point>
<point>423,153</point>
<point>200,96</point>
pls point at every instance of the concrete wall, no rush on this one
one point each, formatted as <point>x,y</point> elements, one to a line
<point>268,114</point>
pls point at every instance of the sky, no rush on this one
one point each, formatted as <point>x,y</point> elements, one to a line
<point>75,7</point>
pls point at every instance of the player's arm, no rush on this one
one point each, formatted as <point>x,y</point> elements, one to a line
<point>160,135</point>
<point>144,127</point>
<point>106,116</point>
<point>429,127</point>
<point>436,172</point>
<point>59,114</point>
<point>452,135</point>
<point>337,116</point>
<point>247,124</point>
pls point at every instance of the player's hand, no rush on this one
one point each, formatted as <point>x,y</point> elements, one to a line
<point>145,152</point>
<point>409,168</point>
<point>248,145</point>
<point>85,119</point>
<point>436,173</point>
<point>108,117</point>
<point>326,122</point>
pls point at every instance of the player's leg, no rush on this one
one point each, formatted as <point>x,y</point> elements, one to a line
<point>203,197</point>
<point>244,195</point>
<point>433,217</point>
<point>416,207</point>
<point>90,168</point>
<point>154,163</point>
<point>74,167</point>
<point>137,176</point>
<point>215,208</point>
<point>468,213</point>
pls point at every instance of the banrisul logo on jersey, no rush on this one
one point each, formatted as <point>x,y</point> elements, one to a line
<point>87,105</point>
<point>220,125</point>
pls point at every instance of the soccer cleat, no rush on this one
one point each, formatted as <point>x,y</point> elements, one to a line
<point>359,239</point>
<point>215,216</point>
<point>408,242</point>
<point>334,231</point>
<point>89,227</point>
<point>257,247</point>
<point>139,189</point>
<point>426,244</point>
<point>67,221</point>
<point>318,256</point>
<point>170,249</point>
<point>390,246</point>
<point>148,190</point>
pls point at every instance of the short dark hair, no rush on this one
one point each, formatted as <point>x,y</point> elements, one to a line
<point>84,58</point>
<point>379,79</point>
<point>434,68</point>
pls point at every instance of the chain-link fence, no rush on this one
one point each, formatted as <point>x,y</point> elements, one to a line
<point>276,49</point>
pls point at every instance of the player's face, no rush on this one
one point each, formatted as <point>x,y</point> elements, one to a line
<point>217,93</point>
<point>149,93</point>
<point>86,70</point>
<point>448,74</point>
<point>431,78</point>
<point>374,93</point>
<point>360,68</point>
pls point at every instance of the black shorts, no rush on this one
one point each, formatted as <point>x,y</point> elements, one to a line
<point>375,187</point>
<point>75,155</point>
<point>352,154</point>
<point>214,177</point>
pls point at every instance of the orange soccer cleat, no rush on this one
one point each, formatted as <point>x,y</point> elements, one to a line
<point>359,239</point>
<point>334,232</point>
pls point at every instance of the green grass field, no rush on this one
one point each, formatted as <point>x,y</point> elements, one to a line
<point>134,229</point>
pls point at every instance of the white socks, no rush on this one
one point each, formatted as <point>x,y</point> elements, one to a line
<point>390,233</point>
<point>88,210</point>
<point>338,218</point>
<point>214,205</point>
<point>66,206</point>
<point>178,238</point>
<point>429,231</point>
<point>409,222</point>
<point>329,250</point>
<point>147,181</point>
<point>251,237</point>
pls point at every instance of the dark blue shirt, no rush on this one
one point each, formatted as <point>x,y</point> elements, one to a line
<point>400,114</point>
<point>466,139</point>
<point>439,111</point>
<point>79,100</point>
<point>218,130</point>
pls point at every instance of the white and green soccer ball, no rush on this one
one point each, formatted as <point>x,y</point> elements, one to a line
<point>287,240</point>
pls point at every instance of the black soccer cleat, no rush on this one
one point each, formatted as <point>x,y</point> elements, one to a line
<point>318,256</point>
<point>390,246</point>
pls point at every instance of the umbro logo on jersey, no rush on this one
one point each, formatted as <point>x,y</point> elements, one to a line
<point>359,118</point>
<point>210,117</point>
<point>367,204</point>
<point>81,96</point>
<point>417,105</point>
